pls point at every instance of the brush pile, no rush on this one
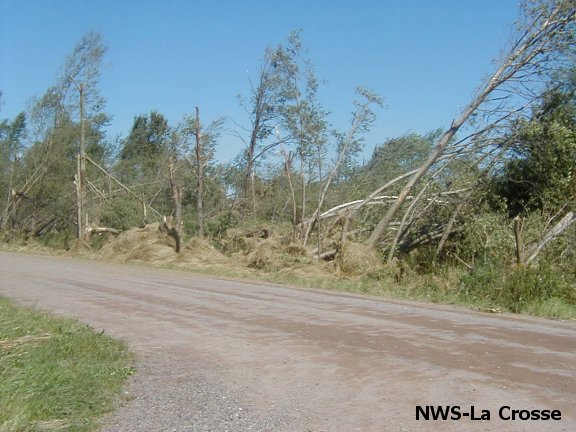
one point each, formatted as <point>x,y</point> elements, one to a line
<point>357,259</point>
<point>153,244</point>
<point>148,244</point>
<point>237,249</point>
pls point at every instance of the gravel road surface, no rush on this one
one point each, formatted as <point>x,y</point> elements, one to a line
<point>220,355</point>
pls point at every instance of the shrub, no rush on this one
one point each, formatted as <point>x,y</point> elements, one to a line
<point>216,226</point>
<point>121,213</point>
<point>517,290</point>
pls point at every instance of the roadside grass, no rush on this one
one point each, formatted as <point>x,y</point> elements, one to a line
<point>543,290</point>
<point>31,247</point>
<point>538,291</point>
<point>56,374</point>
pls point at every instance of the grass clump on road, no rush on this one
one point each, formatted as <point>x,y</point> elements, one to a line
<point>55,373</point>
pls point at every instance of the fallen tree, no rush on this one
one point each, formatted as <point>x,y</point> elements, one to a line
<point>542,39</point>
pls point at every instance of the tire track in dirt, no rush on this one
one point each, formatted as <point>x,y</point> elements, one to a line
<point>300,360</point>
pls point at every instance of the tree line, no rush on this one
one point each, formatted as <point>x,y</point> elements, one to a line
<point>496,185</point>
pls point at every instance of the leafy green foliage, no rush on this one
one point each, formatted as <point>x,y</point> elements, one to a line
<point>395,157</point>
<point>42,197</point>
<point>217,226</point>
<point>145,150</point>
<point>11,136</point>
<point>121,213</point>
<point>517,290</point>
<point>294,167</point>
<point>541,174</point>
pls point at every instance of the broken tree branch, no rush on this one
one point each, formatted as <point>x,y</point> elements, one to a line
<point>554,232</point>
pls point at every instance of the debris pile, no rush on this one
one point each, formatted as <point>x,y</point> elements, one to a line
<point>237,250</point>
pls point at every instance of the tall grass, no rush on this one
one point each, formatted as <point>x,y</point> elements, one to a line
<point>542,290</point>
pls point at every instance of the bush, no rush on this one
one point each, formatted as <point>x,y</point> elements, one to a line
<point>59,239</point>
<point>485,237</point>
<point>216,226</point>
<point>517,290</point>
<point>121,213</point>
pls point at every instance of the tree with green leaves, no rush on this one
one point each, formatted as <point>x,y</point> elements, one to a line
<point>55,125</point>
<point>12,134</point>
<point>540,173</point>
<point>302,115</point>
<point>263,110</point>
<point>145,151</point>
<point>348,146</point>
<point>199,144</point>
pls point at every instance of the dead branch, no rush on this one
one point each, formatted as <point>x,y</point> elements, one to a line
<point>427,237</point>
<point>127,189</point>
<point>176,196</point>
<point>326,256</point>
<point>554,232</point>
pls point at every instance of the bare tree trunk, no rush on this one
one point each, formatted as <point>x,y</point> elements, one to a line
<point>303,212</point>
<point>403,222</point>
<point>518,222</point>
<point>79,201</point>
<point>288,167</point>
<point>176,197</point>
<point>253,190</point>
<point>200,175</point>
<point>248,177</point>
<point>554,232</point>
<point>81,170</point>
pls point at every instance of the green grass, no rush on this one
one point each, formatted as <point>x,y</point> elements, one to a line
<point>540,291</point>
<point>56,374</point>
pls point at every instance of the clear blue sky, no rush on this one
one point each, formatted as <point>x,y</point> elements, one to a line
<point>425,57</point>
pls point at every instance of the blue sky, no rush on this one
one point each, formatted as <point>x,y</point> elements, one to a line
<point>424,57</point>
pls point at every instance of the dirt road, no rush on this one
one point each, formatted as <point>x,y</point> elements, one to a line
<point>218,355</point>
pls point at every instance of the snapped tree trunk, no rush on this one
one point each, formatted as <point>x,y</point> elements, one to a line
<point>81,171</point>
<point>176,197</point>
<point>554,232</point>
<point>200,176</point>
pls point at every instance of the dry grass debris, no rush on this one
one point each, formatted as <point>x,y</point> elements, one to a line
<point>199,252</point>
<point>11,343</point>
<point>239,251</point>
<point>356,259</point>
<point>151,244</point>
<point>148,244</point>
<point>265,254</point>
